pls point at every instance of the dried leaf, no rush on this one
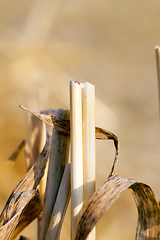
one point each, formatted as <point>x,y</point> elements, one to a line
<point>32,178</point>
<point>63,125</point>
<point>32,211</point>
<point>16,201</point>
<point>14,212</point>
<point>148,212</point>
<point>148,209</point>
<point>16,152</point>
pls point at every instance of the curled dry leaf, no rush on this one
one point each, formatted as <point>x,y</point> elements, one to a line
<point>17,206</point>
<point>148,209</point>
<point>63,125</point>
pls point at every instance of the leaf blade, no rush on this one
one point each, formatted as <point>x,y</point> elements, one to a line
<point>111,190</point>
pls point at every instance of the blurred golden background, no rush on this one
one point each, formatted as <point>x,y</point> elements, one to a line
<point>44,45</point>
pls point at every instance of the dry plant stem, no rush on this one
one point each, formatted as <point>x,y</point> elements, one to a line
<point>42,184</point>
<point>43,180</point>
<point>43,139</point>
<point>58,158</point>
<point>157,50</point>
<point>76,156</point>
<point>88,123</point>
<point>60,206</point>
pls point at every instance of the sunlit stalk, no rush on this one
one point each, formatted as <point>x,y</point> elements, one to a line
<point>88,122</point>
<point>76,155</point>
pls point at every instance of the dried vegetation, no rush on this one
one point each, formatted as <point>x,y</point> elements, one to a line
<point>25,204</point>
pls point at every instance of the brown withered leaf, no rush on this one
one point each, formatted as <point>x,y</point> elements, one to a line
<point>16,152</point>
<point>63,125</point>
<point>148,209</point>
<point>31,179</point>
<point>31,211</point>
<point>16,208</point>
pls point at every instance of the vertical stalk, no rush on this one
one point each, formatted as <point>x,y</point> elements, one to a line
<point>60,206</point>
<point>157,50</point>
<point>76,155</point>
<point>58,158</point>
<point>49,130</point>
<point>88,123</point>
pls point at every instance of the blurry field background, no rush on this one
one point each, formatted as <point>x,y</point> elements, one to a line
<point>44,45</point>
